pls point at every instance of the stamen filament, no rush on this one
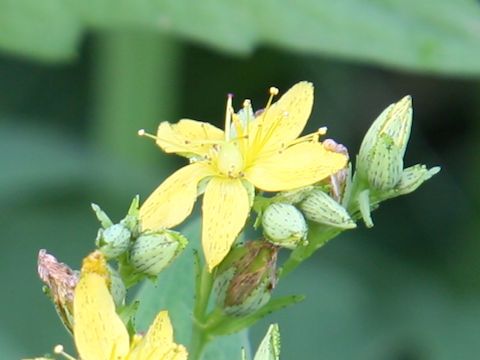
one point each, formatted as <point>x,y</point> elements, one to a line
<point>142,132</point>
<point>59,351</point>
<point>310,137</point>
<point>228,117</point>
<point>258,134</point>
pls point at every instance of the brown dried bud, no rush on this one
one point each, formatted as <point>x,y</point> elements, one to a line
<point>246,278</point>
<point>61,281</point>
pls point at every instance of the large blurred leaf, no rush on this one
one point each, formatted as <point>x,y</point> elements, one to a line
<point>432,36</point>
<point>46,29</point>
<point>8,345</point>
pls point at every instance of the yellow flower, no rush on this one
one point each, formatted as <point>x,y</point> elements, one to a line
<point>263,151</point>
<point>99,332</point>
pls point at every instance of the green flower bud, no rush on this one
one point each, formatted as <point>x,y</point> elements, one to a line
<point>246,278</point>
<point>321,208</point>
<point>153,251</point>
<point>269,348</point>
<point>117,287</point>
<point>284,225</point>
<point>294,196</point>
<point>380,159</point>
<point>113,241</point>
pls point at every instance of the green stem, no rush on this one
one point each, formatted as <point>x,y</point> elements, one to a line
<point>197,343</point>
<point>318,236</point>
<point>203,289</point>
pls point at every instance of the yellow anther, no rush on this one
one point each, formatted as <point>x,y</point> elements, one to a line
<point>58,349</point>
<point>273,91</point>
<point>142,132</point>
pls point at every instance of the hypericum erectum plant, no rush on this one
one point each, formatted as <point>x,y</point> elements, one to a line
<point>259,171</point>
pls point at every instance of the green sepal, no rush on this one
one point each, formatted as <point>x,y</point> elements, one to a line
<point>131,221</point>
<point>127,314</point>
<point>269,348</point>
<point>117,287</point>
<point>412,177</point>
<point>364,206</point>
<point>101,216</point>
<point>229,325</point>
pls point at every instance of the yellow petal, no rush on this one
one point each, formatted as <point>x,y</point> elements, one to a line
<point>188,137</point>
<point>173,200</point>
<point>225,210</point>
<point>158,342</point>
<point>283,121</point>
<point>300,165</point>
<point>98,331</point>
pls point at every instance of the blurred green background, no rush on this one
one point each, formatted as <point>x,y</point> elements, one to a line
<point>78,78</point>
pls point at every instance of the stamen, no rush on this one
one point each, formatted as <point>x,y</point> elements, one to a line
<point>228,116</point>
<point>142,132</point>
<point>59,351</point>
<point>258,135</point>
<point>273,91</point>
<point>313,137</point>
<point>322,131</point>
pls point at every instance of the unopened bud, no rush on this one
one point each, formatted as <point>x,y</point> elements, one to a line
<point>61,281</point>
<point>284,225</point>
<point>294,196</point>
<point>153,251</point>
<point>321,208</point>
<point>113,241</point>
<point>117,287</point>
<point>386,164</point>
<point>380,159</point>
<point>246,278</point>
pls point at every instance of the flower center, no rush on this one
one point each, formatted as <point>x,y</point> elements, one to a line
<point>229,159</point>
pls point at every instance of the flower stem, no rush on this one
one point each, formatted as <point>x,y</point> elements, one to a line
<point>318,236</point>
<point>203,289</point>
<point>197,343</point>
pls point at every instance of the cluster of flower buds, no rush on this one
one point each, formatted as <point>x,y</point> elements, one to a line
<point>380,174</point>
<point>245,279</point>
<point>285,217</point>
<point>138,252</point>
